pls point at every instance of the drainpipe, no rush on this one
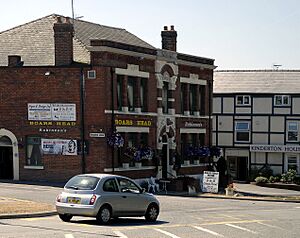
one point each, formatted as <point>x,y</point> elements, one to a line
<point>82,124</point>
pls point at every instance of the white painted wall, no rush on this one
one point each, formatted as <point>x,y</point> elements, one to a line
<point>225,139</point>
<point>277,124</point>
<point>228,105</point>
<point>296,106</point>
<point>225,123</point>
<point>282,110</point>
<point>276,139</point>
<point>217,105</point>
<point>259,138</point>
<point>260,123</point>
<point>262,105</point>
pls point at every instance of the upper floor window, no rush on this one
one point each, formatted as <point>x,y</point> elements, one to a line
<point>282,100</point>
<point>143,94</point>
<point>243,100</point>
<point>292,131</point>
<point>192,99</point>
<point>165,97</point>
<point>119,92</point>
<point>130,93</point>
<point>242,131</point>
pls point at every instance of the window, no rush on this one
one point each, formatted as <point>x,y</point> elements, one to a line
<point>202,99</point>
<point>130,93</point>
<point>110,186</point>
<point>242,100</point>
<point>33,151</point>
<point>292,131</point>
<point>192,99</point>
<point>82,182</point>
<point>165,97</point>
<point>242,132</point>
<point>119,92</point>
<point>91,74</point>
<point>181,98</point>
<point>128,186</point>
<point>282,100</point>
<point>293,163</point>
<point>143,94</point>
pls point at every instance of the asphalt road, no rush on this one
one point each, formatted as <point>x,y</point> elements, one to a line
<point>180,217</point>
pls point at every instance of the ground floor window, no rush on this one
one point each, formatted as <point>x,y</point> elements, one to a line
<point>33,151</point>
<point>293,162</point>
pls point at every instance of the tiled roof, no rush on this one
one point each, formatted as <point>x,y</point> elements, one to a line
<point>257,81</point>
<point>34,41</point>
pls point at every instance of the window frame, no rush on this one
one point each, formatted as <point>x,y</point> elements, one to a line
<point>287,164</point>
<point>239,130</point>
<point>282,97</point>
<point>243,97</point>
<point>292,131</point>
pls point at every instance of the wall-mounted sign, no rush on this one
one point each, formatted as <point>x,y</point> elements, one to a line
<point>59,146</point>
<point>210,182</point>
<point>97,134</point>
<point>275,148</point>
<point>130,122</point>
<point>52,123</point>
<point>193,124</point>
<point>51,111</point>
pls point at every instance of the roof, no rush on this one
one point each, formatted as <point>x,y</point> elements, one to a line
<point>34,41</point>
<point>257,81</point>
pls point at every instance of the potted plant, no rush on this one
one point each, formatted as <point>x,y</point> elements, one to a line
<point>229,191</point>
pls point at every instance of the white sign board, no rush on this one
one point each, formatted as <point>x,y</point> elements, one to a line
<point>59,146</point>
<point>210,182</point>
<point>51,111</point>
<point>97,134</point>
<point>275,148</point>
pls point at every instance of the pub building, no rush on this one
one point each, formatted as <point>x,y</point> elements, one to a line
<point>79,97</point>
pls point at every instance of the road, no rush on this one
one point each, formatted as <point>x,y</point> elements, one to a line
<point>180,217</point>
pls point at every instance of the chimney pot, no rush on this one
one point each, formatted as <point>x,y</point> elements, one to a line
<point>172,27</point>
<point>165,28</point>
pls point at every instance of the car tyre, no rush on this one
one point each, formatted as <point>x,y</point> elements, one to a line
<point>65,217</point>
<point>152,213</point>
<point>104,215</point>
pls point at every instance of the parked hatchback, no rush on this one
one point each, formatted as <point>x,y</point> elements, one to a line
<point>105,196</point>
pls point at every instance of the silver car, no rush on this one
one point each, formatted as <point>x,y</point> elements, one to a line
<point>105,196</point>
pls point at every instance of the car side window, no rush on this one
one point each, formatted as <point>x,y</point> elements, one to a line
<point>128,186</point>
<point>110,185</point>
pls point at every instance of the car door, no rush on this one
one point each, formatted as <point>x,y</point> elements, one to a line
<point>133,199</point>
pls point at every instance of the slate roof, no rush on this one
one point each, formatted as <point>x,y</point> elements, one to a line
<point>34,41</point>
<point>257,81</point>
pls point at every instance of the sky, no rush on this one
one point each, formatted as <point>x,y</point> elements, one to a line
<point>238,34</point>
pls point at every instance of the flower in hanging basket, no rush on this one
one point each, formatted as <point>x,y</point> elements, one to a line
<point>190,151</point>
<point>143,153</point>
<point>115,140</point>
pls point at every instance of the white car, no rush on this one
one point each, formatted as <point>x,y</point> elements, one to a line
<point>105,196</point>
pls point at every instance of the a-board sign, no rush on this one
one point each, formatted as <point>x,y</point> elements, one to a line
<point>210,182</point>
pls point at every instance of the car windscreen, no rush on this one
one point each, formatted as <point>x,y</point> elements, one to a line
<point>82,183</point>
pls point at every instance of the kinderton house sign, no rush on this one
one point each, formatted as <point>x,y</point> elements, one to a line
<point>275,148</point>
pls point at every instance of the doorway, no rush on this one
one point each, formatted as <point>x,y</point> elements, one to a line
<point>237,167</point>
<point>6,163</point>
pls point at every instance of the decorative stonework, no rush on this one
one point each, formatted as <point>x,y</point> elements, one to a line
<point>166,126</point>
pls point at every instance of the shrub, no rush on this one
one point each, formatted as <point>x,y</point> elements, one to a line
<point>297,179</point>
<point>289,176</point>
<point>272,179</point>
<point>253,173</point>
<point>265,171</point>
<point>261,179</point>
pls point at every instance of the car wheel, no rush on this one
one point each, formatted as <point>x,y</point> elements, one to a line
<point>152,213</point>
<point>65,217</point>
<point>104,215</point>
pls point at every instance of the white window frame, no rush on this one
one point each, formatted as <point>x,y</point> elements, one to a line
<point>292,130</point>
<point>243,103</point>
<point>91,74</point>
<point>294,156</point>
<point>282,99</point>
<point>236,131</point>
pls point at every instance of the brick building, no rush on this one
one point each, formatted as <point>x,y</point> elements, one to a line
<point>70,86</point>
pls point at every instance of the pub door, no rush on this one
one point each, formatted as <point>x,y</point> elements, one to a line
<point>6,163</point>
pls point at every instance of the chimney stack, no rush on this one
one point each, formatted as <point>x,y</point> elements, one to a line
<point>169,38</point>
<point>63,41</point>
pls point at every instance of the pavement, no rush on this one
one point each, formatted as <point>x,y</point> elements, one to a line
<point>11,208</point>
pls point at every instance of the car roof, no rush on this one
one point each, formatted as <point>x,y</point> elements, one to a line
<point>101,176</point>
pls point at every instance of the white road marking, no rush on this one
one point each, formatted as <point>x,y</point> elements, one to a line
<point>241,228</point>
<point>120,234</point>
<point>208,231</point>
<point>69,236</point>
<point>167,233</point>
<point>268,225</point>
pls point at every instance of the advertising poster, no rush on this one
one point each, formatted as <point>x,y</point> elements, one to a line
<point>59,147</point>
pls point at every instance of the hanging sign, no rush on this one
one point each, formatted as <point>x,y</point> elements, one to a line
<point>59,146</point>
